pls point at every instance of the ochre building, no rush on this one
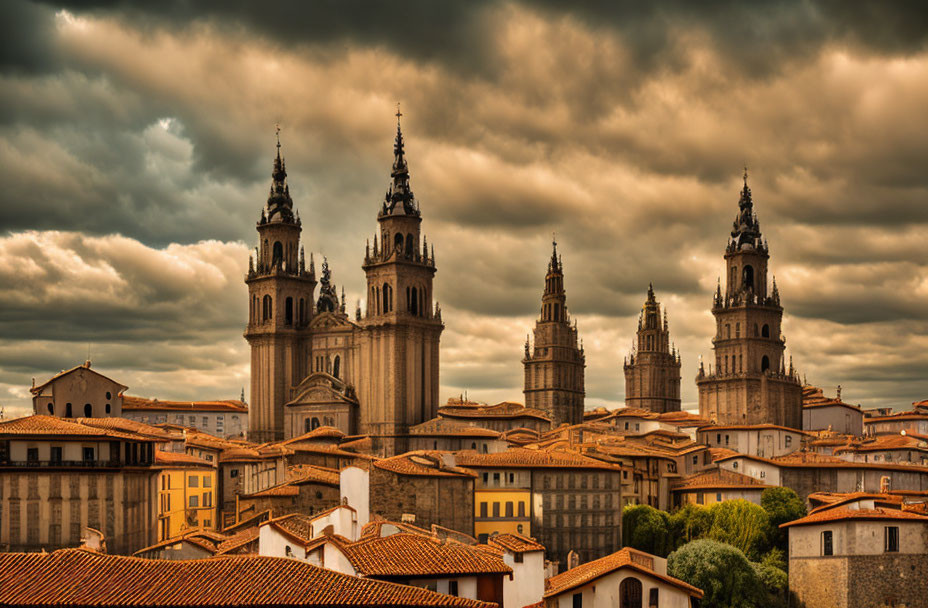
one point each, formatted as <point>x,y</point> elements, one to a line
<point>750,382</point>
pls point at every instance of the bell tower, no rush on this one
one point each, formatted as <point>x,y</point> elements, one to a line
<point>554,368</point>
<point>652,370</point>
<point>750,382</point>
<point>402,327</point>
<point>280,294</point>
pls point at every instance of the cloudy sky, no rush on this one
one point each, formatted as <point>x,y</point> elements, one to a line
<point>136,142</point>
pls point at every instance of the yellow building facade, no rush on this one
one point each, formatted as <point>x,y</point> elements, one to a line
<point>187,494</point>
<point>502,510</point>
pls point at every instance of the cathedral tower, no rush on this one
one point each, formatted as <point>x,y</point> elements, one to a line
<point>554,367</point>
<point>280,291</point>
<point>751,382</point>
<point>652,371</point>
<point>402,327</point>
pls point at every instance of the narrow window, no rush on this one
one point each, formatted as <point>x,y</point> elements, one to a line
<point>453,588</point>
<point>32,455</point>
<point>509,508</point>
<point>577,600</point>
<point>288,311</point>
<point>765,331</point>
<point>88,410</point>
<point>892,539</point>
<point>483,509</point>
<point>827,548</point>
<point>88,455</point>
<point>495,509</point>
<point>336,366</point>
<point>51,409</point>
<point>764,363</point>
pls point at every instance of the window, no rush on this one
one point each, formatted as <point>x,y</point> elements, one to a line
<point>630,593</point>
<point>88,410</point>
<point>56,453</point>
<point>521,510</point>
<point>207,500</point>
<point>51,409</point>
<point>509,508</point>
<point>654,598</point>
<point>483,509</point>
<point>109,395</point>
<point>194,501</point>
<point>207,481</point>
<point>788,440</point>
<point>453,588</point>
<point>700,498</point>
<point>496,479</point>
<point>577,600</point>
<point>892,539</point>
<point>67,411</point>
<point>726,439</point>
<point>718,497</point>
<point>108,408</point>
<point>827,548</point>
<point>764,362</point>
<point>193,481</point>
<point>486,478</point>
<point>205,421</point>
<point>495,509</point>
<point>32,454</point>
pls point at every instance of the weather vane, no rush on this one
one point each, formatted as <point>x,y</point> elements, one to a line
<point>398,113</point>
<point>278,136</point>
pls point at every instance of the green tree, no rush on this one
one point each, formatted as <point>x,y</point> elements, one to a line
<point>690,523</point>
<point>782,505</point>
<point>741,524</point>
<point>723,572</point>
<point>646,529</point>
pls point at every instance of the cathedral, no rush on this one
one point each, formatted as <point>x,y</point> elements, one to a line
<point>554,367</point>
<point>751,382</point>
<point>311,363</point>
<point>652,370</point>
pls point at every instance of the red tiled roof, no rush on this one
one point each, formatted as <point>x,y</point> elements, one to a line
<point>322,432</point>
<point>626,558</point>
<point>238,540</point>
<point>506,409</point>
<point>125,425</point>
<point>296,525</point>
<point>750,427</point>
<point>445,427</point>
<point>374,529</point>
<point>814,460</point>
<point>141,404</point>
<point>405,554</point>
<point>51,426</point>
<point>178,459</point>
<point>37,389</point>
<point>421,464</point>
<point>529,458</point>
<point>76,577</point>
<point>515,543</point>
<point>719,479</point>
<point>844,514</point>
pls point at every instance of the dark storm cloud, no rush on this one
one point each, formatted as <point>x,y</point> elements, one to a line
<point>27,37</point>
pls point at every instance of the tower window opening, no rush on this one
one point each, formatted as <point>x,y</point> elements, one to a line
<point>410,246</point>
<point>398,242</point>
<point>747,277</point>
<point>765,331</point>
<point>288,311</point>
<point>278,254</point>
<point>336,366</point>
<point>737,330</point>
<point>267,308</point>
<point>557,311</point>
<point>764,363</point>
<point>414,303</point>
<point>421,302</point>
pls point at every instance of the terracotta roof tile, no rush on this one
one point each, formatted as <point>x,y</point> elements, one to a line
<point>322,432</point>
<point>516,543</point>
<point>718,479</point>
<point>405,554</point>
<point>529,458</point>
<point>504,410</point>
<point>626,558</point>
<point>125,425</point>
<point>130,403</point>
<point>86,366</point>
<point>421,464</point>
<point>52,426</point>
<point>750,427</point>
<point>178,459</point>
<point>454,428</point>
<point>75,577</point>
<point>844,514</point>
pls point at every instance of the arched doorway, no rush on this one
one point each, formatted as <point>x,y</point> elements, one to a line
<point>630,593</point>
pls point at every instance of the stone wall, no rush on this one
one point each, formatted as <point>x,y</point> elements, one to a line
<point>868,581</point>
<point>446,501</point>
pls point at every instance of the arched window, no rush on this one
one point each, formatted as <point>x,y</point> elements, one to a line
<point>398,242</point>
<point>764,363</point>
<point>51,409</point>
<point>473,446</point>
<point>336,366</point>
<point>314,424</point>
<point>747,277</point>
<point>288,311</point>
<point>414,302</point>
<point>267,308</point>
<point>67,411</point>
<point>109,395</point>
<point>410,246</point>
<point>278,254</point>
<point>765,331</point>
<point>88,410</point>
<point>108,408</point>
<point>630,593</point>
<point>307,425</point>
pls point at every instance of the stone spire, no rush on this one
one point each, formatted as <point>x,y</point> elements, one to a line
<point>399,199</point>
<point>745,232</point>
<point>279,204</point>
<point>328,295</point>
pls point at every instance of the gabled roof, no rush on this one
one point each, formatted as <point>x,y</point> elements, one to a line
<point>422,463</point>
<point>125,425</point>
<point>626,558</point>
<point>35,390</point>
<point>846,514</point>
<point>815,460</point>
<point>322,432</point>
<point>404,555</point>
<point>504,410</point>
<point>77,577</point>
<point>41,426</point>
<point>719,479</point>
<point>515,543</point>
<point>169,460</point>
<point>529,458</point>
<point>234,406</point>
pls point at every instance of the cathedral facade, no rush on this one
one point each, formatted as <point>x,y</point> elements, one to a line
<point>312,364</point>
<point>554,366</point>
<point>652,370</point>
<point>750,383</point>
